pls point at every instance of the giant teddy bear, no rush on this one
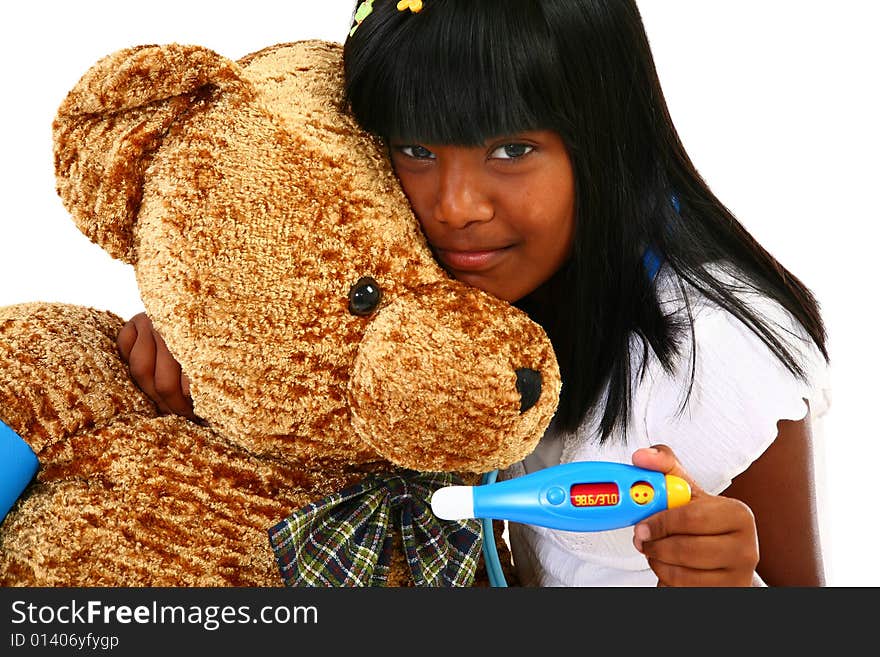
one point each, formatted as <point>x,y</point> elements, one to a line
<point>340,375</point>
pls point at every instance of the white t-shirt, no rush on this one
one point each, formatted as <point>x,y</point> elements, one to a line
<point>740,391</point>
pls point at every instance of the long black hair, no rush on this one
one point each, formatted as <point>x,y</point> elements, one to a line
<point>464,71</point>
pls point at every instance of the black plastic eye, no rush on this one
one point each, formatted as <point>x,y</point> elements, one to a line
<point>364,296</point>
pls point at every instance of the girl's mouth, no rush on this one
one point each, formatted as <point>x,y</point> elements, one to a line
<point>478,260</point>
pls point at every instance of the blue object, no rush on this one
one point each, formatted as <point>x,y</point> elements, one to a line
<point>579,496</point>
<point>18,465</point>
<point>490,550</point>
<point>651,260</point>
<point>582,496</point>
<point>652,263</point>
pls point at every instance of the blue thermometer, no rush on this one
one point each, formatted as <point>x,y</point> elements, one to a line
<point>583,496</point>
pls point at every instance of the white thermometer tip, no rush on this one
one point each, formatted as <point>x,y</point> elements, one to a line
<point>453,502</point>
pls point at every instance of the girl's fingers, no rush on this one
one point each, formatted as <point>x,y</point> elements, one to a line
<point>702,516</point>
<point>142,366</point>
<point>661,458</point>
<point>125,340</point>
<point>156,372</point>
<point>168,383</point>
<point>717,552</point>
<point>671,575</point>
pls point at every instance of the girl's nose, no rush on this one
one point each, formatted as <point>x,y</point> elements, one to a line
<point>461,199</point>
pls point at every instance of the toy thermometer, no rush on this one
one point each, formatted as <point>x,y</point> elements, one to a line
<point>584,496</point>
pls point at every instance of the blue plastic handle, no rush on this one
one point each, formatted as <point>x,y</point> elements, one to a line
<point>18,465</point>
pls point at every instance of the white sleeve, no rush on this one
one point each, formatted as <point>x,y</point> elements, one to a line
<point>740,391</point>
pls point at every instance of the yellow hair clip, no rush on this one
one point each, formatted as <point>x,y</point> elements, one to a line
<point>415,6</point>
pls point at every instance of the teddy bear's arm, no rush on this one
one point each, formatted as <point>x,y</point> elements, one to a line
<point>60,372</point>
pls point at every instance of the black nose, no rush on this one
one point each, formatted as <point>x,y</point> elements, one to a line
<point>528,384</point>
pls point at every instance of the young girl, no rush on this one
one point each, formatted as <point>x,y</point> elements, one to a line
<point>535,146</point>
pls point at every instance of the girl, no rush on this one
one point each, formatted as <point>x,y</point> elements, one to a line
<point>535,146</point>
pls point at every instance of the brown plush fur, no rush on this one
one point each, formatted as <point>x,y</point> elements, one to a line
<point>249,203</point>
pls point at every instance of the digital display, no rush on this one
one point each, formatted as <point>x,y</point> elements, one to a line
<point>601,494</point>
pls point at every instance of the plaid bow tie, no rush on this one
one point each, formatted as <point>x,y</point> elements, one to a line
<point>345,539</point>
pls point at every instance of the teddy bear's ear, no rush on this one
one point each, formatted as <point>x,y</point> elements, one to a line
<point>110,124</point>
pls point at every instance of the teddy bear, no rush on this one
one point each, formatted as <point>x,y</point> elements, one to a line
<point>338,373</point>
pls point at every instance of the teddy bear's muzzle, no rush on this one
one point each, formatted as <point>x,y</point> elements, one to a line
<point>469,386</point>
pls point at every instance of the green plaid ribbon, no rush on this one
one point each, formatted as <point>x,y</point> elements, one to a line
<point>345,539</point>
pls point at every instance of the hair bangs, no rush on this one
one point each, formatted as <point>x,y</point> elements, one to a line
<point>453,74</point>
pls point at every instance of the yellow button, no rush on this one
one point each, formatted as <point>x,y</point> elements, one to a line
<point>678,492</point>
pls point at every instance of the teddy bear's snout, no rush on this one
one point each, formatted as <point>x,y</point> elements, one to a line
<point>528,385</point>
<point>448,378</point>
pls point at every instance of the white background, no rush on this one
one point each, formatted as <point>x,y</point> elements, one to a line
<point>776,101</point>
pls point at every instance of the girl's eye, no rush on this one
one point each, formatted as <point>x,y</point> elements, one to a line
<point>511,151</point>
<point>416,152</point>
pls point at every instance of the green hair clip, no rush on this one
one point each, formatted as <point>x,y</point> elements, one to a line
<point>366,8</point>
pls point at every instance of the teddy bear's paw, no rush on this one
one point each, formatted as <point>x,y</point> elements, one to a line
<point>60,371</point>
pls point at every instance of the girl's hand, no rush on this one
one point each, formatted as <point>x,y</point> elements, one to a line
<point>153,367</point>
<point>710,541</point>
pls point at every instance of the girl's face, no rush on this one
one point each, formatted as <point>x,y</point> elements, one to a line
<point>499,216</point>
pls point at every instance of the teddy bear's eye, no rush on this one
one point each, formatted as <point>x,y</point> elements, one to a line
<point>364,296</point>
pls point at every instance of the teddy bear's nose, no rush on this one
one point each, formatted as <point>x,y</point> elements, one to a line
<point>528,384</point>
